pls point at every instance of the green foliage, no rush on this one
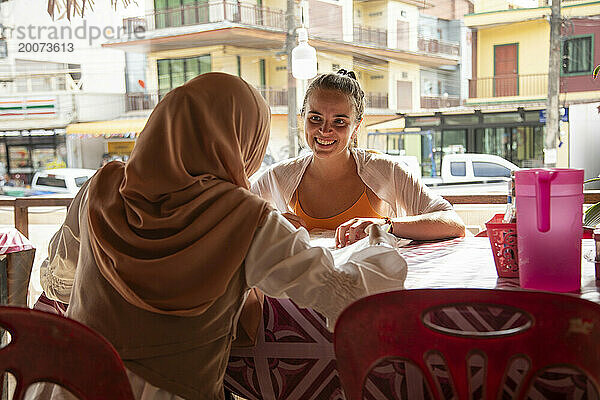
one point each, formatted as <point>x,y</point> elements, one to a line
<point>591,217</point>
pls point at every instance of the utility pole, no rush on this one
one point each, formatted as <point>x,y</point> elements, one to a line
<point>552,114</point>
<point>290,41</point>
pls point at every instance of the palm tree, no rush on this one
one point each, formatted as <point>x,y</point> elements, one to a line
<point>66,8</point>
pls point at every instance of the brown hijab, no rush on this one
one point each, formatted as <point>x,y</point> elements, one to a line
<point>171,227</point>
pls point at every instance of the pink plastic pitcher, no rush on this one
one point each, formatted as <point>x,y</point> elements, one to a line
<point>549,228</point>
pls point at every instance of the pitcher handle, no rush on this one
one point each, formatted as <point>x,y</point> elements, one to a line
<point>542,197</point>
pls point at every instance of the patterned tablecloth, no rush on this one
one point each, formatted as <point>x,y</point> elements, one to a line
<point>294,358</point>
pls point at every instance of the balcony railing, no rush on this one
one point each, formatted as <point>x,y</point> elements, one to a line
<point>372,36</point>
<point>376,100</point>
<point>509,85</point>
<point>439,101</point>
<point>437,46</point>
<point>140,101</point>
<point>246,14</point>
<point>42,81</point>
<point>147,101</point>
<point>274,97</point>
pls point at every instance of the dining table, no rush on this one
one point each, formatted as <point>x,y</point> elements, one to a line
<point>293,357</point>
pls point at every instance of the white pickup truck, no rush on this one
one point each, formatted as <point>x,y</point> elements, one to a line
<point>61,180</point>
<point>472,168</point>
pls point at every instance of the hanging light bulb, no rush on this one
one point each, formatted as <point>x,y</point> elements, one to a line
<point>304,56</point>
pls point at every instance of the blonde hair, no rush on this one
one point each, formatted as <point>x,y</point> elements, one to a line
<point>342,81</point>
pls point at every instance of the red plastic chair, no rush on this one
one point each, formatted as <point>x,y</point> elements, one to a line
<point>50,348</point>
<point>510,341</point>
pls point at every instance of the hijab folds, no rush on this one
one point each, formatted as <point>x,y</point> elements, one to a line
<point>171,227</point>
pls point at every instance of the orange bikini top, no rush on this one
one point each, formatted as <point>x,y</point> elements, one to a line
<point>361,208</point>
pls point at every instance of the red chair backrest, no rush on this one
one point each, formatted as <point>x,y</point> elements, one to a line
<point>500,327</point>
<point>50,348</point>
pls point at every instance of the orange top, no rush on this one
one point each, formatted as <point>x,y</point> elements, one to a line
<point>361,208</point>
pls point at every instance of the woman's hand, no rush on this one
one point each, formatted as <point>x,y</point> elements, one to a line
<point>295,220</point>
<point>354,230</point>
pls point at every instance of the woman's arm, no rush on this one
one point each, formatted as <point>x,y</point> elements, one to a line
<point>57,271</point>
<point>434,225</point>
<point>282,263</point>
<point>430,226</point>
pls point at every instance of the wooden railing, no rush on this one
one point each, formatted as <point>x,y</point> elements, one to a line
<point>589,197</point>
<point>21,208</point>
<point>22,205</point>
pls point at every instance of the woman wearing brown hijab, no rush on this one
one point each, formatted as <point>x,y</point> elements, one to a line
<point>159,254</point>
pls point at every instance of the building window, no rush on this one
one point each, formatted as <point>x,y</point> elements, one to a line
<point>3,48</point>
<point>172,13</point>
<point>177,71</point>
<point>577,55</point>
<point>427,88</point>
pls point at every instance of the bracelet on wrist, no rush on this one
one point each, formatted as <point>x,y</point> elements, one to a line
<point>388,221</point>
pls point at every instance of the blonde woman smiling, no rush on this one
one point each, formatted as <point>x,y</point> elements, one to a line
<point>342,187</point>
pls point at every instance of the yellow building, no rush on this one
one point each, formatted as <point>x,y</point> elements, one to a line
<point>380,41</point>
<point>511,49</point>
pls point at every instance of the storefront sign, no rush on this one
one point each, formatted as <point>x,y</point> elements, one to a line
<point>423,121</point>
<point>121,147</point>
<point>33,132</point>
<point>27,107</point>
<point>564,115</point>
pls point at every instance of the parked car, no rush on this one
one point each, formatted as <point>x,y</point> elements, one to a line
<point>472,168</point>
<point>61,180</point>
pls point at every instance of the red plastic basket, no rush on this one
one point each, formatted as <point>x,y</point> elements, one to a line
<point>503,238</point>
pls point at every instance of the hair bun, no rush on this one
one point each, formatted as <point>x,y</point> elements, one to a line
<point>349,74</point>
